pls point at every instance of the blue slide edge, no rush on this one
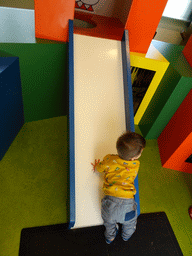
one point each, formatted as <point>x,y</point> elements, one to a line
<point>71,127</point>
<point>129,112</point>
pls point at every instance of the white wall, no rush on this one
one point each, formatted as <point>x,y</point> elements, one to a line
<point>178,9</point>
<point>17,25</point>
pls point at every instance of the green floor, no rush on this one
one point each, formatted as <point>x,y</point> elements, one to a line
<point>34,185</point>
<point>33,176</point>
<point>166,190</point>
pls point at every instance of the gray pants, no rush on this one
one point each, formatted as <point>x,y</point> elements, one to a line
<point>119,210</point>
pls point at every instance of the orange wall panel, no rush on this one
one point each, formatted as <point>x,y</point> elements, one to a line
<point>51,19</point>
<point>142,23</point>
<point>187,51</point>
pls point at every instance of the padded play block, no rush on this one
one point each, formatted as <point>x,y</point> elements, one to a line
<point>153,61</point>
<point>11,102</point>
<point>187,51</point>
<point>51,22</point>
<point>51,19</point>
<point>172,90</point>
<point>44,71</point>
<point>142,23</point>
<point>175,142</point>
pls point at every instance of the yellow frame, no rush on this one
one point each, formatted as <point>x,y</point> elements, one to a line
<point>154,61</point>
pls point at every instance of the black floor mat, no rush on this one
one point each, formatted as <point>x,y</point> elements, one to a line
<point>153,237</point>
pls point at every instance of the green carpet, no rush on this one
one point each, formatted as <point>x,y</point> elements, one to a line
<point>33,176</point>
<point>166,190</point>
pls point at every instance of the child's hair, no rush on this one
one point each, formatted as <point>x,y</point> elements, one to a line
<point>130,145</point>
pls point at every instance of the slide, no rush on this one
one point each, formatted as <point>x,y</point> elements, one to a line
<point>99,119</point>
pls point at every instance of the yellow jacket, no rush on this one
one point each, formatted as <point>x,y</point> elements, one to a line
<point>119,176</point>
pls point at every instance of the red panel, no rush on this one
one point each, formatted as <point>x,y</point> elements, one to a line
<point>51,19</point>
<point>105,27</point>
<point>175,142</point>
<point>142,23</point>
<point>187,51</point>
<point>177,160</point>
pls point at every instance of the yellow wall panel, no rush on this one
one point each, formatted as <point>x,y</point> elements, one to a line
<point>153,61</point>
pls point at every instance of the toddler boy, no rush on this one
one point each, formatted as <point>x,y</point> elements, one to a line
<point>118,205</point>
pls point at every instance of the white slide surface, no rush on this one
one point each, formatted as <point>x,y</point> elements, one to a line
<point>99,119</point>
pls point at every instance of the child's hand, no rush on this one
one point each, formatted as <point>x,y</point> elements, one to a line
<point>95,164</point>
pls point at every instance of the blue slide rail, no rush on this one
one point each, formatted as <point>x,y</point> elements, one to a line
<point>71,128</point>
<point>129,112</point>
